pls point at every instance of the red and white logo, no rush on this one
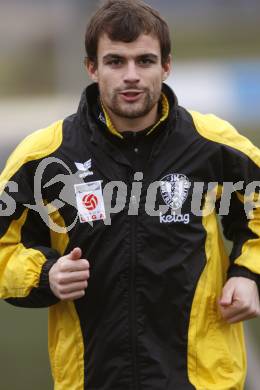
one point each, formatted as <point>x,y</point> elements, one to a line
<point>90,201</point>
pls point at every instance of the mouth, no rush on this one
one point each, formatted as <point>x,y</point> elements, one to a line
<point>131,95</point>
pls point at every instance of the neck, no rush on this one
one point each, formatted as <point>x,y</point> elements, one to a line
<point>134,124</point>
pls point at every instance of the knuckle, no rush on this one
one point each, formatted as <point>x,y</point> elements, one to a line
<point>85,263</point>
<point>82,285</point>
<point>62,289</point>
<point>252,308</point>
<point>59,278</point>
<point>79,294</point>
<point>60,261</point>
<point>62,266</point>
<point>246,306</point>
<point>82,276</point>
<point>82,293</point>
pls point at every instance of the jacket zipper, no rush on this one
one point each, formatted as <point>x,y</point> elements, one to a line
<point>133,325</point>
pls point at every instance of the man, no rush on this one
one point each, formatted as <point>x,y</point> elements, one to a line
<point>139,298</point>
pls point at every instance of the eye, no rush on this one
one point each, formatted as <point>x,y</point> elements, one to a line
<point>146,61</point>
<point>115,62</point>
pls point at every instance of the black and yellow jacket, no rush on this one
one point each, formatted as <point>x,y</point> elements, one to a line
<point>149,319</point>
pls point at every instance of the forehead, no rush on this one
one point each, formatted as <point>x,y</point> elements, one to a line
<point>142,45</point>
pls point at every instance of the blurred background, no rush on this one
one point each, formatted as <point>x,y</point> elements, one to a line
<point>216,52</point>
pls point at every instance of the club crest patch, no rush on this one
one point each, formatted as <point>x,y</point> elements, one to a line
<point>174,189</point>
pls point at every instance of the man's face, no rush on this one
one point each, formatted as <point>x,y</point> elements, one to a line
<point>129,75</point>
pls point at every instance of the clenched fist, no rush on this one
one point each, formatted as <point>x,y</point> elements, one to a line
<point>68,277</point>
<point>239,300</point>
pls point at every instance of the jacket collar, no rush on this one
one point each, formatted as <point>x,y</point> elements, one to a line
<point>93,122</point>
<point>92,114</point>
<point>164,112</point>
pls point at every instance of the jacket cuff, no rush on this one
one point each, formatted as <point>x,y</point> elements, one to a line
<point>41,296</point>
<point>237,270</point>
<point>44,276</point>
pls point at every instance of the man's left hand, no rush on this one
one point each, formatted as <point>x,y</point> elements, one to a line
<point>239,300</point>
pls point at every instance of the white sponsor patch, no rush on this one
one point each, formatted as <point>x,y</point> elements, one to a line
<point>90,201</point>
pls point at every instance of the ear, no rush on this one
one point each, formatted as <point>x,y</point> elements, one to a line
<point>167,68</point>
<point>91,68</point>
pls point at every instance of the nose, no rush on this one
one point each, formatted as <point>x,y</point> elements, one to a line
<point>131,75</point>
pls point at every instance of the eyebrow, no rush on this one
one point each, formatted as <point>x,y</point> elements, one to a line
<point>111,56</point>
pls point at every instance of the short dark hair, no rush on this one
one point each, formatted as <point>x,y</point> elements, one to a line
<point>125,21</point>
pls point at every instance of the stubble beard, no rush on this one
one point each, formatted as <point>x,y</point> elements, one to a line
<point>133,110</point>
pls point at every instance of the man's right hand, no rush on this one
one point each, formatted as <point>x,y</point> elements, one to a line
<point>68,277</point>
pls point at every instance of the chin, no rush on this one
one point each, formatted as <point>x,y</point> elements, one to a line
<point>134,115</point>
<point>131,114</point>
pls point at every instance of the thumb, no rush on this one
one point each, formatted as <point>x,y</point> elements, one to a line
<point>75,254</point>
<point>227,295</point>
